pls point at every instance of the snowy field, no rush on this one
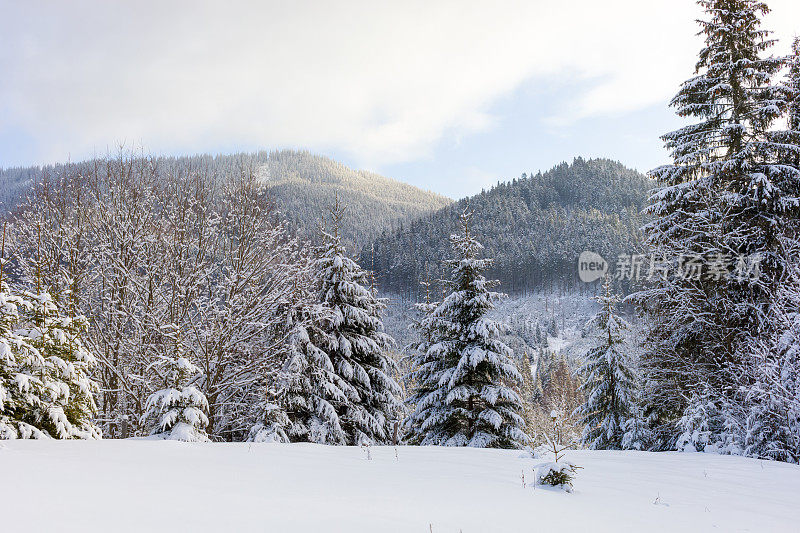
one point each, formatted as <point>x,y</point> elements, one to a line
<point>140,485</point>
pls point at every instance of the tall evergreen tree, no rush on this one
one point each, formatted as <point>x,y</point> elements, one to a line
<point>773,396</point>
<point>22,374</point>
<point>609,380</point>
<point>723,203</point>
<point>359,348</point>
<point>465,379</point>
<point>421,361</point>
<point>773,391</point>
<point>301,400</point>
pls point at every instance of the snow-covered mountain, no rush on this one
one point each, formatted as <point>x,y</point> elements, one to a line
<point>303,184</point>
<point>534,228</point>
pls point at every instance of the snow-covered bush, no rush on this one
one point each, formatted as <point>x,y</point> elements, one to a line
<point>556,474</point>
<point>709,425</point>
<point>274,426</point>
<point>178,412</point>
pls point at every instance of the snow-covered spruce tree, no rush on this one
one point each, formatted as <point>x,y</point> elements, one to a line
<point>45,388</point>
<point>359,348</point>
<point>726,196</point>
<point>710,423</point>
<point>466,379</point>
<point>68,404</point>
<point>422,362</point>
<point>178,411</point>
<point>609,381</point>
<point>773,396</point>
<point>300,399</point>
<point>788,140</point>
<point>23,373</point>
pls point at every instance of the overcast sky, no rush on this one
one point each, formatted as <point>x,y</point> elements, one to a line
<point>449,96</point>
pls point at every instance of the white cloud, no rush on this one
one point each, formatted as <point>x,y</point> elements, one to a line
<point>380,80</point>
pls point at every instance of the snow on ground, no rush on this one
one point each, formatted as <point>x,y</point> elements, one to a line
<point>141,485</point>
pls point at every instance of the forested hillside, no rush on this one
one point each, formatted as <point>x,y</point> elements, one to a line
<point>14,183</point>
<point>305,184</point>
<point>534,227</point>
<point>302,184</point>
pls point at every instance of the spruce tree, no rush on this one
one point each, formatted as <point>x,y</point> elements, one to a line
<point>609,380</point>
<point>45,387</point>
<point>301,400</point>
<point>178,411</point>
<point>22,374</point>
<point>465,380</point>
<point>359,350</point>
<point>70,390</point>
<point>724,202</point>
<point>422,362</point>
<point>772,403</point>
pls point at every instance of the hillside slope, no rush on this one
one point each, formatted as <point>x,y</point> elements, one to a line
<point>306,184</point>
<point>534,227</point>
<point>303,184</point>
<point>137,485</point>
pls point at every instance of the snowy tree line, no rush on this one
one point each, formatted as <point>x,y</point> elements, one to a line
<point>208,319</point>
<point>190,266</point>
<point>718,368</point>
<point>205,314</point>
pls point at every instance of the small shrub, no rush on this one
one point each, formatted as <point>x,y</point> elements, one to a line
<point>556,474</point>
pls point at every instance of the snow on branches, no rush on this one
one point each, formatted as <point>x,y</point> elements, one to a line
<point>178,411</point>
<point>465,376</point>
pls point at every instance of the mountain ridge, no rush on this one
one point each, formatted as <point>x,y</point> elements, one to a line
<point>303,185</point>
<point>534,227</point>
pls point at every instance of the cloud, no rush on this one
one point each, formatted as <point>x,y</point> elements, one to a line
<point>383,81</point>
